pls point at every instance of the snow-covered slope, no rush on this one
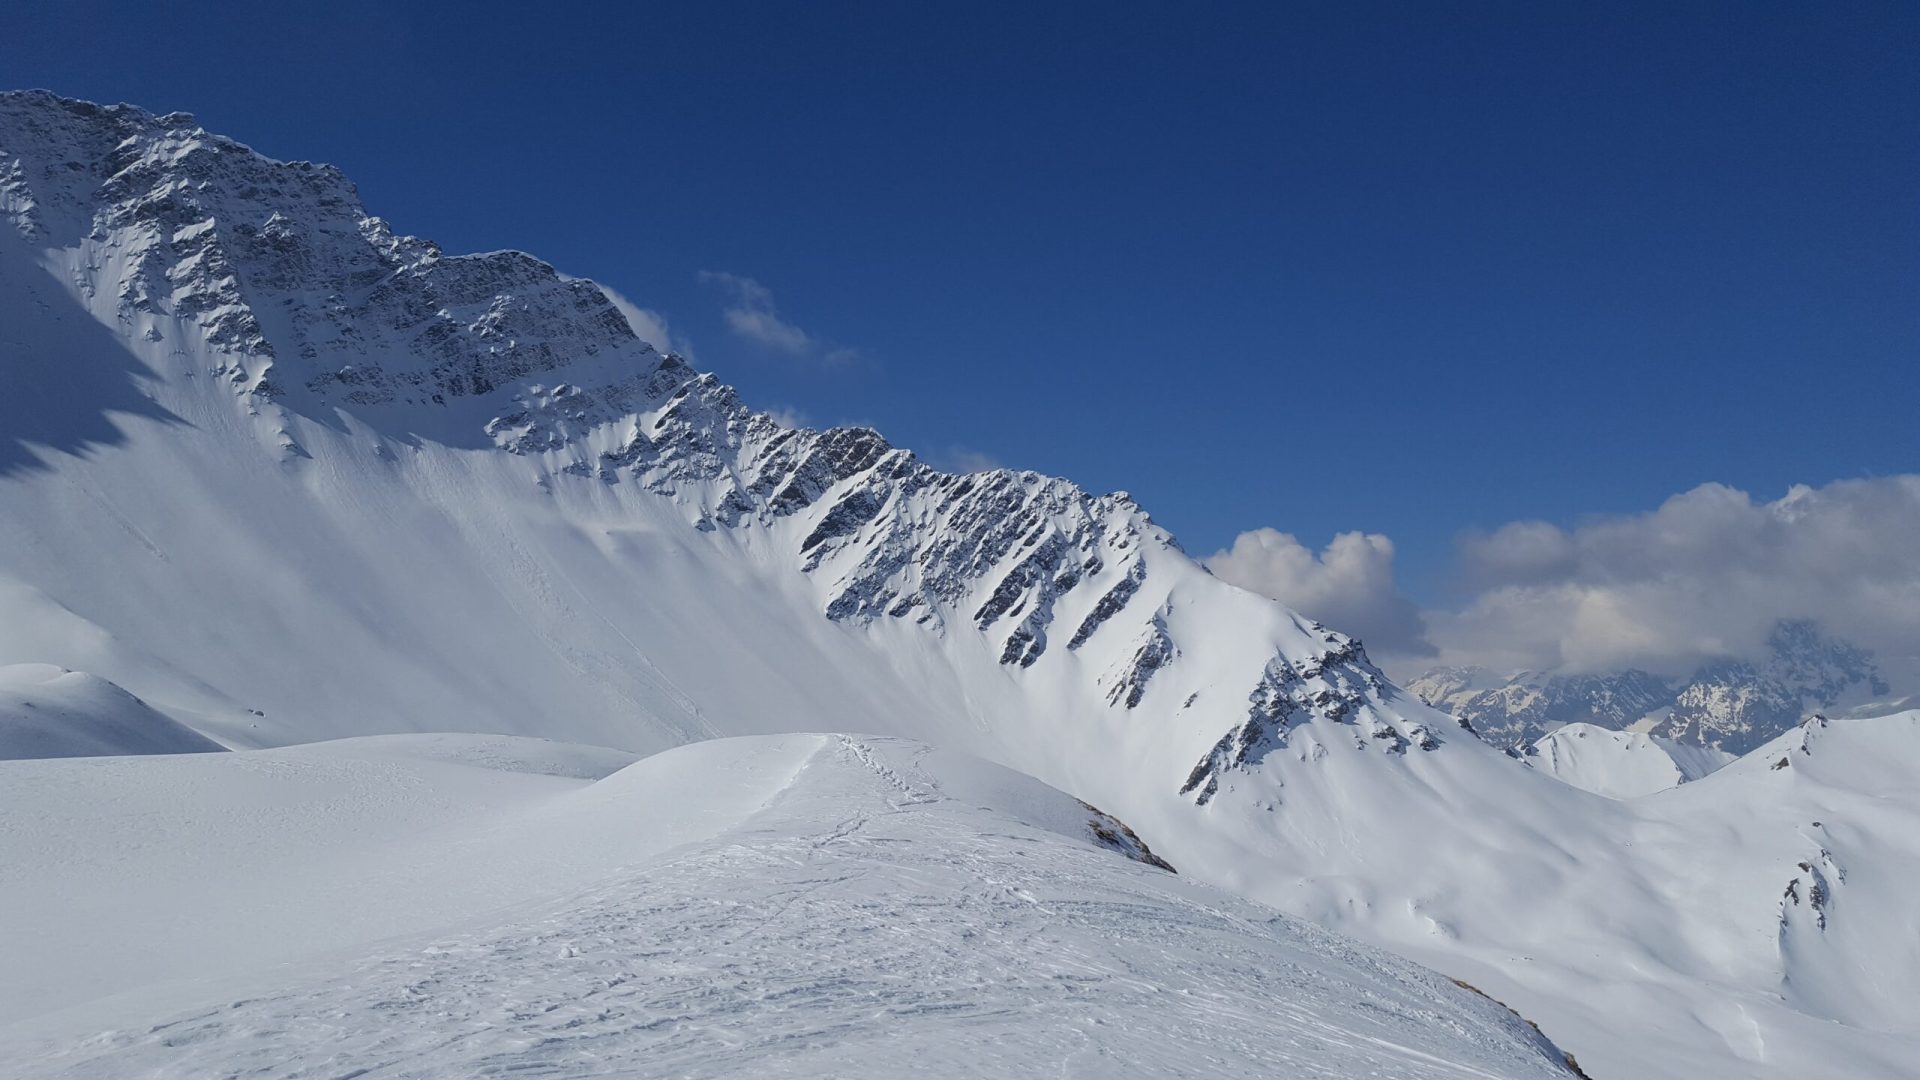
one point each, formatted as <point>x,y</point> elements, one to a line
<point>1620,764</point>
<point>289,400</point>
<point>1653,936</point>
<point>287,476</point>
<point>779,905</point>
<point>47,711</point>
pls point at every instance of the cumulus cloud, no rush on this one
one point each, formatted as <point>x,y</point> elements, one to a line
<point>1349,585</point>
<point>752,315</point>
<point>1704,576</point>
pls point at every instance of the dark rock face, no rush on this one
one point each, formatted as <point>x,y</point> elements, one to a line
<point>1115,835</point>
<point>318,304</point>
<point>281,266</point>
<point>1339,683</point>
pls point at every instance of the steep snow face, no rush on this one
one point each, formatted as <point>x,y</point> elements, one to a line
<point>807,905</point>
<point>1730,705</point>
<point>288,477</point>
<point>1620,764</point>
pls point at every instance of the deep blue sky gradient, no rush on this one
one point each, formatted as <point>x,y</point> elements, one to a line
<point>1408,268</point>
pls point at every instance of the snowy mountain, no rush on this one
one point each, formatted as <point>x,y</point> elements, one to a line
<point>1731,705</point>
<point>1516,710</point>
<point>1738,705</point>
<point>285,475</point>
<point>1620,764</point>
<point>255,300</point>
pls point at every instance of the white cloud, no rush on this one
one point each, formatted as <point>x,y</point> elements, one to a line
<point>647,324</point>
<point>962,459</point>
<point>752,315</point>
<point>1349,585</point>
<point>788,417</point>
<point>1705,575</point>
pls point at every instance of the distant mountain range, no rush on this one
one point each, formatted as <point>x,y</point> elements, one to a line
<point>1732,705</point>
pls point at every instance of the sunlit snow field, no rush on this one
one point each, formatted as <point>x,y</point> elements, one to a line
<point>806,904</point>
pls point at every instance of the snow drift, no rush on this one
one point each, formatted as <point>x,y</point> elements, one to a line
<point>48,711</point>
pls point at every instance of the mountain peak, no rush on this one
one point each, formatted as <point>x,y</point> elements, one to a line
<point>316,318</point>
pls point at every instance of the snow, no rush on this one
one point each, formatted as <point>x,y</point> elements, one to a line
<point>811,905</point>
<point>332,484</point>
<point>48,711</point>
<point>1620,764</point>
<point>1661,915</point>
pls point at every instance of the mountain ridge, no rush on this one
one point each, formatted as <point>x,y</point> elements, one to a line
<point>285,274</point>
<point>231,491</point>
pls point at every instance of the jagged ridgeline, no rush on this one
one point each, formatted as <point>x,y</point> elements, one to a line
<point>310,307</point>
<point>272,473</point>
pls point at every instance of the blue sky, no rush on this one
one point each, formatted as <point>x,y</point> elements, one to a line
<point>1412,269</point>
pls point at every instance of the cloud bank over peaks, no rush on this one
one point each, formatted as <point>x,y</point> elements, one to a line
<point>1349,585</point>
<point>1704,576</point>
<point>1708,575</point>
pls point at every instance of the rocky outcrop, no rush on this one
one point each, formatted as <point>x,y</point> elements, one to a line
<point>1337,684</point>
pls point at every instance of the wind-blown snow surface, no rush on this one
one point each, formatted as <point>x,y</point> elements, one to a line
<point>287,476</point>
<point>776,905</point>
